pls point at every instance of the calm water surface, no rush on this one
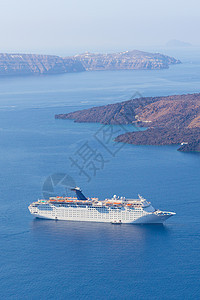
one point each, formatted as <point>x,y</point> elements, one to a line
<point>75,260</point>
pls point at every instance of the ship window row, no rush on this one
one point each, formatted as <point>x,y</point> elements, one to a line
<point>44,208</point>
<point>104,213</point>
<point>99,209</point>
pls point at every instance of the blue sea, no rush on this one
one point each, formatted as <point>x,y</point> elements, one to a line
<point>43,259</point>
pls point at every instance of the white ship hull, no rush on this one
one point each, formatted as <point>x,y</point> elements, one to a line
<point>93,215</point>
<point>115,210</point>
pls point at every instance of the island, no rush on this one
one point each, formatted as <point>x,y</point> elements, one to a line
<point>35,64</point>
<point>169,120</point>
<point>177,44</point>
<point>127,60</point>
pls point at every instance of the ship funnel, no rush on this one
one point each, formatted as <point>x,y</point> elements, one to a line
<point>79,193</point>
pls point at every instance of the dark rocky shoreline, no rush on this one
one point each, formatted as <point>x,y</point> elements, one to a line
<point>170,120</point>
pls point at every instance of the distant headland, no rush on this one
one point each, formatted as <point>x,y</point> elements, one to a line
<point>35,64</point>
<point>170,120</point>
<point>177,44</point>
<point>128,60</point>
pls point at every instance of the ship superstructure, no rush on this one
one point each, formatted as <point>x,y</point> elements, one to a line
<point>114,210</point>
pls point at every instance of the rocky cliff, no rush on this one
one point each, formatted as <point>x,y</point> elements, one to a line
<point>128,60</point>
<point>27,64</point>
<point>170,120</point>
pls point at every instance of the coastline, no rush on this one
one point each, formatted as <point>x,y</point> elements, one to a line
<point>169,120</point>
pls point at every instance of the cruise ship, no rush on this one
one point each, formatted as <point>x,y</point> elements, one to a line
<point>115,210</point>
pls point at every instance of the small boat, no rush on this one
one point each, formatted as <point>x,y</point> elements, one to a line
<point>116,222</point>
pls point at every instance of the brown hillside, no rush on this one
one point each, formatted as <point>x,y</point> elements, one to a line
<point>171,120</point>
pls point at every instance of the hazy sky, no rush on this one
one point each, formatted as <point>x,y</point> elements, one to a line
<point>66,26</point>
